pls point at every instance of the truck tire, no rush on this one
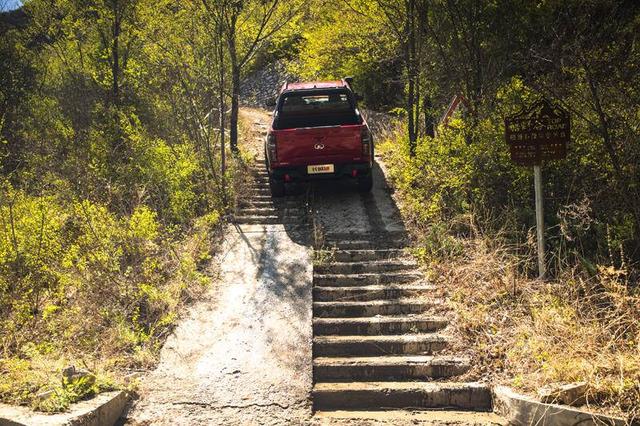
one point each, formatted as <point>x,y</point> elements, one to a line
<point>365,183</point>
<point>277,187</point>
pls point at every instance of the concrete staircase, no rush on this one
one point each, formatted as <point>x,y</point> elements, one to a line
<point>377,345</point>
<point>257,207</point>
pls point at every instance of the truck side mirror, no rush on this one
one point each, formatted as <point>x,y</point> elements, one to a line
<point>359,97</point>
<point>270,102</point>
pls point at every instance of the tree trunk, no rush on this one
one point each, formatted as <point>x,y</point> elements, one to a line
<point>115,54</point>
<point>221,113</point>
<point>429,121</point>
<point>235,107</point>
<point>235,90</point>
<point>118,146</point>
<point>409,54</point>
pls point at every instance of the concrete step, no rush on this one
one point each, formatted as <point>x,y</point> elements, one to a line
<point>366,241</point>
<point>262,184</point>
<point>267,219</point>
<point>377,235</point>
<point>270,211</point>
<point>361,267</point>
<point>257,191</point>
<point>270,202</point>
<point>378,325</point>
<point>408,344</point>
<point>258,211</point>
<point>249,201</point>
<point>364,244</point>
<point>388,368</point>
<point>370,292</point>
<point>259,197</point>
<point>257,219</point>
<point>370,308</point>
<point>333,280</point>
<point>261,191</point>
<point>366,255</point>
<point>401,395</point>
<point>408,417</point>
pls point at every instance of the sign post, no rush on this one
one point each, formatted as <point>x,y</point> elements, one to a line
<point>538,133</point>
<point>537,183</point>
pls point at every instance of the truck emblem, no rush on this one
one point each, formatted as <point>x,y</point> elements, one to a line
<point>318,146</point>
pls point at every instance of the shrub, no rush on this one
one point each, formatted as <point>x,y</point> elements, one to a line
<point>82,285</point>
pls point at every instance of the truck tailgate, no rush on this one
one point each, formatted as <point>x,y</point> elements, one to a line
<point>320,145</point>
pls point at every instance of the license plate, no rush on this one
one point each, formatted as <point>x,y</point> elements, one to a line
<point>320,168</point>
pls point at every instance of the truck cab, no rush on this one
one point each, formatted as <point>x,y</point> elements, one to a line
<point>317,132</point>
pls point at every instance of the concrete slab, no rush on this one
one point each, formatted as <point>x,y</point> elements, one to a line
<point>103,410</point>
<point>388,368</point>
<point>386,207</point>
<point>521,410</point>
<point>378,325</point>
<point>242,355</point>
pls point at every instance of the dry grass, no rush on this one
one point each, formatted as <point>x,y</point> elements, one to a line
<point>529,333</point>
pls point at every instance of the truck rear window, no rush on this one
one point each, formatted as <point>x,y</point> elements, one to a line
<point>315,109</point>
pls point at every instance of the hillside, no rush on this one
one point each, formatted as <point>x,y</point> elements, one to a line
<point>126,153</point>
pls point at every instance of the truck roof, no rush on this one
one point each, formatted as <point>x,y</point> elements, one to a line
<point>314,85</point>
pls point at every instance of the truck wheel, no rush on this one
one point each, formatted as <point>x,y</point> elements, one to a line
<point>365,183</point>
<point>277,188</point>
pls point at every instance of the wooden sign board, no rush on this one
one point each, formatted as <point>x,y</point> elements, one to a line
<point>541,132</point>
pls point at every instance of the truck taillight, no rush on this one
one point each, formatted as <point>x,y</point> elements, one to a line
<point>365,136</point>
<point>271,146</point>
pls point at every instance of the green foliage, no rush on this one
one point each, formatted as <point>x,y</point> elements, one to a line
<point>110,192</point>
<point>464,174</point>
<point>410,58</point>
<point>75,276</point>
<point>342,39</point>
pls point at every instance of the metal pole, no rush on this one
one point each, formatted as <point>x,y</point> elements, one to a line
<point>537,180</point>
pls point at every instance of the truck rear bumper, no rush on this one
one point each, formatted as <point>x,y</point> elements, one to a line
<point>299,173</point>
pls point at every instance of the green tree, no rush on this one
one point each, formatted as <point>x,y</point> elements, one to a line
<point>246,26</point>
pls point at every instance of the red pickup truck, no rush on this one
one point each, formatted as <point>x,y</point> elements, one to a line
<point>317,132</point>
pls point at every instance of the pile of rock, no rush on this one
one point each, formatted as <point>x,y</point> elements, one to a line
<point>264,84</point>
